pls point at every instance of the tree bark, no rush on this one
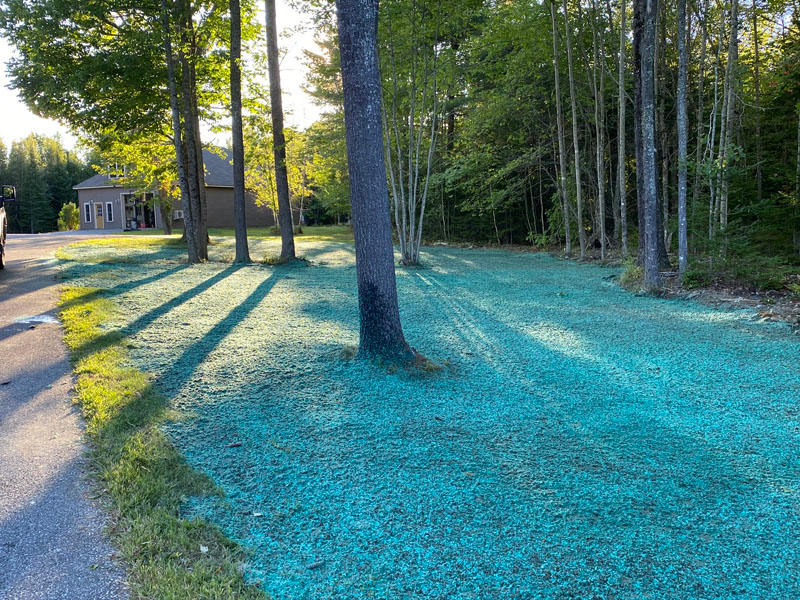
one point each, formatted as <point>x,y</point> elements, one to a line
<point>683,248</point>
<point>239,221</point>
<point>797,187</point>
<point>381,331</point>
<point>637,125</point>
<point>285,220</point>
<point>598,83</point>
<point>575,140</point>
<point>700,100</point>
<point>189,151</point>
<point>562,187</point>
<point>166,218</point>
<point>202,234</point>
<point>757,85</point>
<point>177,138</point>
<point>645,35</point>
<point>730,77</point>
<point>621,187</point>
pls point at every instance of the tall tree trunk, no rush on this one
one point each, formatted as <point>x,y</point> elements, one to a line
<point>575,140</point>
<point>662,151</point>
<point>177,138</point>
<point>621,105</point>
<point>645,33</point>
<point>239,221</point>
<point>192,144</point>
<point>285,219</point>
<point>190,155</point>
<point>638,17</point>
<point>757,85</point>
<point>700,100</point>
<point>683,242</point>
<point>797,188</point>
<point>730,77</point>
<point>562,159</point>
<point>713,178</point>
<point>381,331</point>
<point>598,83</point>
<point>202,234</point>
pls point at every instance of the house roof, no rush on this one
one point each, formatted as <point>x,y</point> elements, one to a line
<point>219,172</point>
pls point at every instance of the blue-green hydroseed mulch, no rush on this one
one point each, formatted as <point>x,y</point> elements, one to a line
<point>581,442</point>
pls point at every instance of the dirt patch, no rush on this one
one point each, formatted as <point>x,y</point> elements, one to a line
<point>767,305</point>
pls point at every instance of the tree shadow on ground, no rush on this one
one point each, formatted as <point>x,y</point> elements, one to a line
<point>160,310</point>
<point>184,366</point>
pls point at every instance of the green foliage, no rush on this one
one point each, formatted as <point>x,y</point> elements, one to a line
<point>69,218</point>
<point>751,269</point>
<point>100,66</point>
<point>43,173</point>
<point>496,163</point>
<point>327,170</point>
<point>632,274</point>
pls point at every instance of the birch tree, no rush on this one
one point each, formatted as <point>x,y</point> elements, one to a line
<point>410,117</point>
<point>621,105</point>
<point>575,138</point>
<point>598,81</point>
<point>730,101</point>
<point>562,160</point>
<point>683,247</point>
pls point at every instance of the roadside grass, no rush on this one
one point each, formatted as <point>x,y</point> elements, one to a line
<point>153,241</point>
<point>142,478</point>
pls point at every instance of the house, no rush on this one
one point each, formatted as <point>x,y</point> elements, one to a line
<point>104,204</point>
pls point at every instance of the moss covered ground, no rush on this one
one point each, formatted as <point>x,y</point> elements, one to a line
<point>581,442</point>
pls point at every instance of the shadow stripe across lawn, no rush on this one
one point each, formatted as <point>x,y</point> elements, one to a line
<point>582,442</point>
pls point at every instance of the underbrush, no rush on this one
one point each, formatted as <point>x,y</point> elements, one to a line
<point>632,274</point>
<point>753,271</point>
<point>143,478</point>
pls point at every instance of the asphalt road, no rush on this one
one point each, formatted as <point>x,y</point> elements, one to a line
<point>52,544</point>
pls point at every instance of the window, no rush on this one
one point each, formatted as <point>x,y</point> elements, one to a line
<point>87,212</point>
<point>115,171</point>
<point>109,212</point>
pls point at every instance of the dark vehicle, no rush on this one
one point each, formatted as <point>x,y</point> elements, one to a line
<point>7,194</point>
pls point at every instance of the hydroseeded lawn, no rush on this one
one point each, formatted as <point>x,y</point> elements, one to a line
<point>580,442</point>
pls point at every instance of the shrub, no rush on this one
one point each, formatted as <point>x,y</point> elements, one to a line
<point>632,274</point>
<point>69,218</point>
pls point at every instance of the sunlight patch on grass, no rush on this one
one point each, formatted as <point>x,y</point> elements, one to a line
<point>311,233</point>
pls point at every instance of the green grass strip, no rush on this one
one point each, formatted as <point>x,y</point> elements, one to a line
<point>142,477</point>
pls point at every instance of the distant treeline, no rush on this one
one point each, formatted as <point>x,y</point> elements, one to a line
<point>43,172</point>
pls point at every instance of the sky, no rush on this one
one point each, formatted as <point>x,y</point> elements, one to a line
<point>295,35</point>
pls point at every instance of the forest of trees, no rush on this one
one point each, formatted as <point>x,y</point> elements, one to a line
<point>43,173</point>
<point>489,107</point>
<point>503,122</point>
